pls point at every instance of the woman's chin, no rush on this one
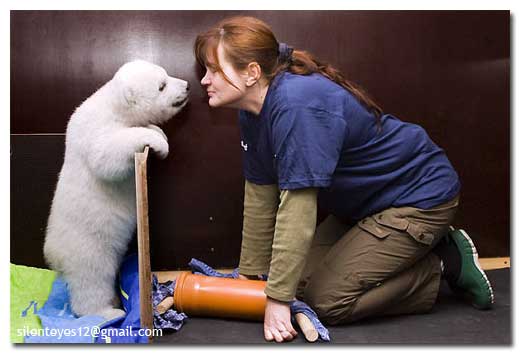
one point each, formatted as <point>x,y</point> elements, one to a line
<point>213,103</point>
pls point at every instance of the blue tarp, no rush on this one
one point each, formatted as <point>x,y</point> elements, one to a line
<point>60,325</point>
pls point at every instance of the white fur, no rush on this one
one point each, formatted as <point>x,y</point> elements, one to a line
<point>93,213</point>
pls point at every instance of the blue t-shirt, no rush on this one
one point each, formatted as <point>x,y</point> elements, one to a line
<point>311,132</point>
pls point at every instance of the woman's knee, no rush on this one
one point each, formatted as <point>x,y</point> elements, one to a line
<point>333,300</point>
<point>332,312</point>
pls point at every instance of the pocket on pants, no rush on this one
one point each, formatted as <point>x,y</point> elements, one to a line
<point>420,234</point>
<point>383,224</point>
<point>369,225</point>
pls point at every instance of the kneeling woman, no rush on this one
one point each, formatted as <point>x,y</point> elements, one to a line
<point>309,138</point>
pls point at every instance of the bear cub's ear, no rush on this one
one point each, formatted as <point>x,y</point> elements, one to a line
<point>129,95</point>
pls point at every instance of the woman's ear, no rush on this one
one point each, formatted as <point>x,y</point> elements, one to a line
<point>254,72</point>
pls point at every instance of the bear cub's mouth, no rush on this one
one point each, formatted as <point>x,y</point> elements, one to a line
<point>179,103</point>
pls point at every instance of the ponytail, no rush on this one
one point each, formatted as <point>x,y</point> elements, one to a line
<point>303,63</point>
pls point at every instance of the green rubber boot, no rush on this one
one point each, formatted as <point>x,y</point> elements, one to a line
<point>472,282</point>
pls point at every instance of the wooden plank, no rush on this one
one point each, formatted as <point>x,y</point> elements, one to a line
<point>493,263</point>
<point>490,263</point>
<point>143,241</point>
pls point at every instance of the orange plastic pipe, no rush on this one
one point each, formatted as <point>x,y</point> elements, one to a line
<point>200,295</point>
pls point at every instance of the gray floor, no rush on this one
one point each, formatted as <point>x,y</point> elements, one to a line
<point>450,322</point>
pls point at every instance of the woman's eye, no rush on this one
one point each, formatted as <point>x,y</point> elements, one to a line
<point>161,87</point>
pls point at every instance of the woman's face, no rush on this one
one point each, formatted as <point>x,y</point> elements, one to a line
<point>220,92</point>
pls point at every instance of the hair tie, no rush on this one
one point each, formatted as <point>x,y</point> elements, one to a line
<point>284,53</point>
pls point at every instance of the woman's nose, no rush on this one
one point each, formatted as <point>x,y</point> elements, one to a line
<point>205,80</point>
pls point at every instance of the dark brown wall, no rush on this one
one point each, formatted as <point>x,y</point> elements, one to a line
<point>448,71</point>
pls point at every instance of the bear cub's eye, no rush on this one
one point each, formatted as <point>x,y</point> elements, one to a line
<point>161,87</point>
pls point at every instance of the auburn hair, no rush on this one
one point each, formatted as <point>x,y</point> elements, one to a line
<point>247,39</point>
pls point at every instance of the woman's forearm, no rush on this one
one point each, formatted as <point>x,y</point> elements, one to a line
<point>260,209</point>
<point>294,230</point>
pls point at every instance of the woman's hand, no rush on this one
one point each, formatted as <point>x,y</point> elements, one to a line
<point>242,277</point>
<point>277,321</point>
<point>253,277</point>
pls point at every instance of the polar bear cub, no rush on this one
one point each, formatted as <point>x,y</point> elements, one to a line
<point>93,213</point>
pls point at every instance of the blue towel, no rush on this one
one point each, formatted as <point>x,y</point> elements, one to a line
<point>300,307</point>
<point>171,319</point>
<point>200,268</point>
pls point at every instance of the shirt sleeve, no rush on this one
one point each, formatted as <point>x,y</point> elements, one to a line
<point>260,207</point>
<point>307,143</point>
<point>294,230</point>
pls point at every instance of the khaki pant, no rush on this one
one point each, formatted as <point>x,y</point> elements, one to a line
<point>380,266</point>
